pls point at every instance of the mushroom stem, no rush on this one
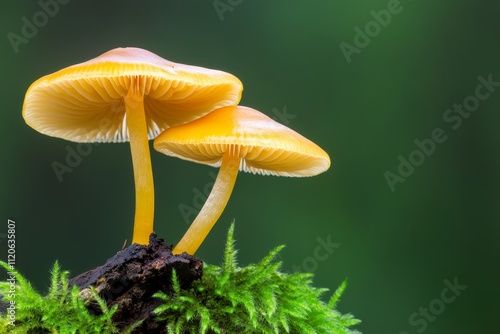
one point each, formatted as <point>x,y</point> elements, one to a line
<point>141,161</point>
<point>214,205</point>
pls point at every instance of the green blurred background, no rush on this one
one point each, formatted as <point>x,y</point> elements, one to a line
<point>397,247</point>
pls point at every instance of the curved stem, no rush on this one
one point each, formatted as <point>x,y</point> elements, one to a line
<point>141,160</point>
<point>213,207</point>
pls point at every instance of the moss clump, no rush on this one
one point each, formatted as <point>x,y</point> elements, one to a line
<point>254,299</point>
<point>63,310</point>
<point>228,299</point>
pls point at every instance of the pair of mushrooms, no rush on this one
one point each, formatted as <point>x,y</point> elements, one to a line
<point>130,94</point>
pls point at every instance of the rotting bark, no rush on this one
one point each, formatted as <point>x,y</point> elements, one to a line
<point>133,275</point>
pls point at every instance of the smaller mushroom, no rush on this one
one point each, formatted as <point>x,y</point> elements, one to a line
<point>237,138</point>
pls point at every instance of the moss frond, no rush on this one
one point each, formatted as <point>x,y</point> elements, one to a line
<point>62,310</point>
<point>255,299</point>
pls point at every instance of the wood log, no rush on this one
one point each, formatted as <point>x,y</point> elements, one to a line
<point>133,275</point>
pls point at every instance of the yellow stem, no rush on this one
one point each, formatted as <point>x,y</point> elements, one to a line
<point>213,207</point>
<point>141,160</point>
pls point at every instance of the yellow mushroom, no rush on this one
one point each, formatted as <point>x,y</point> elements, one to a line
<point>237,138</point>
<point>127,94</point>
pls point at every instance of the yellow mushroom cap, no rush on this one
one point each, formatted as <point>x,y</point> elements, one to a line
<point>264,145</point>
<point>84,102</point>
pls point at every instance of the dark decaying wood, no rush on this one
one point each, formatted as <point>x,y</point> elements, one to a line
<point>133,275</point>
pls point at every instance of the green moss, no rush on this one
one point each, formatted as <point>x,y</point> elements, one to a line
<point>61,311</point>
<point>228,299</point>
<point>255,299</point>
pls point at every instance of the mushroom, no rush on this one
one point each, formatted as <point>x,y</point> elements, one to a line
<point>237,138</point>
<point>127,94</point>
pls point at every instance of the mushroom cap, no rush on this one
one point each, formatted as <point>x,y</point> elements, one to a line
<point>84,102</point>
<point>264,145</point>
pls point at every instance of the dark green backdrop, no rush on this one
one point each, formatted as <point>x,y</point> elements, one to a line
<point>365,97</point>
